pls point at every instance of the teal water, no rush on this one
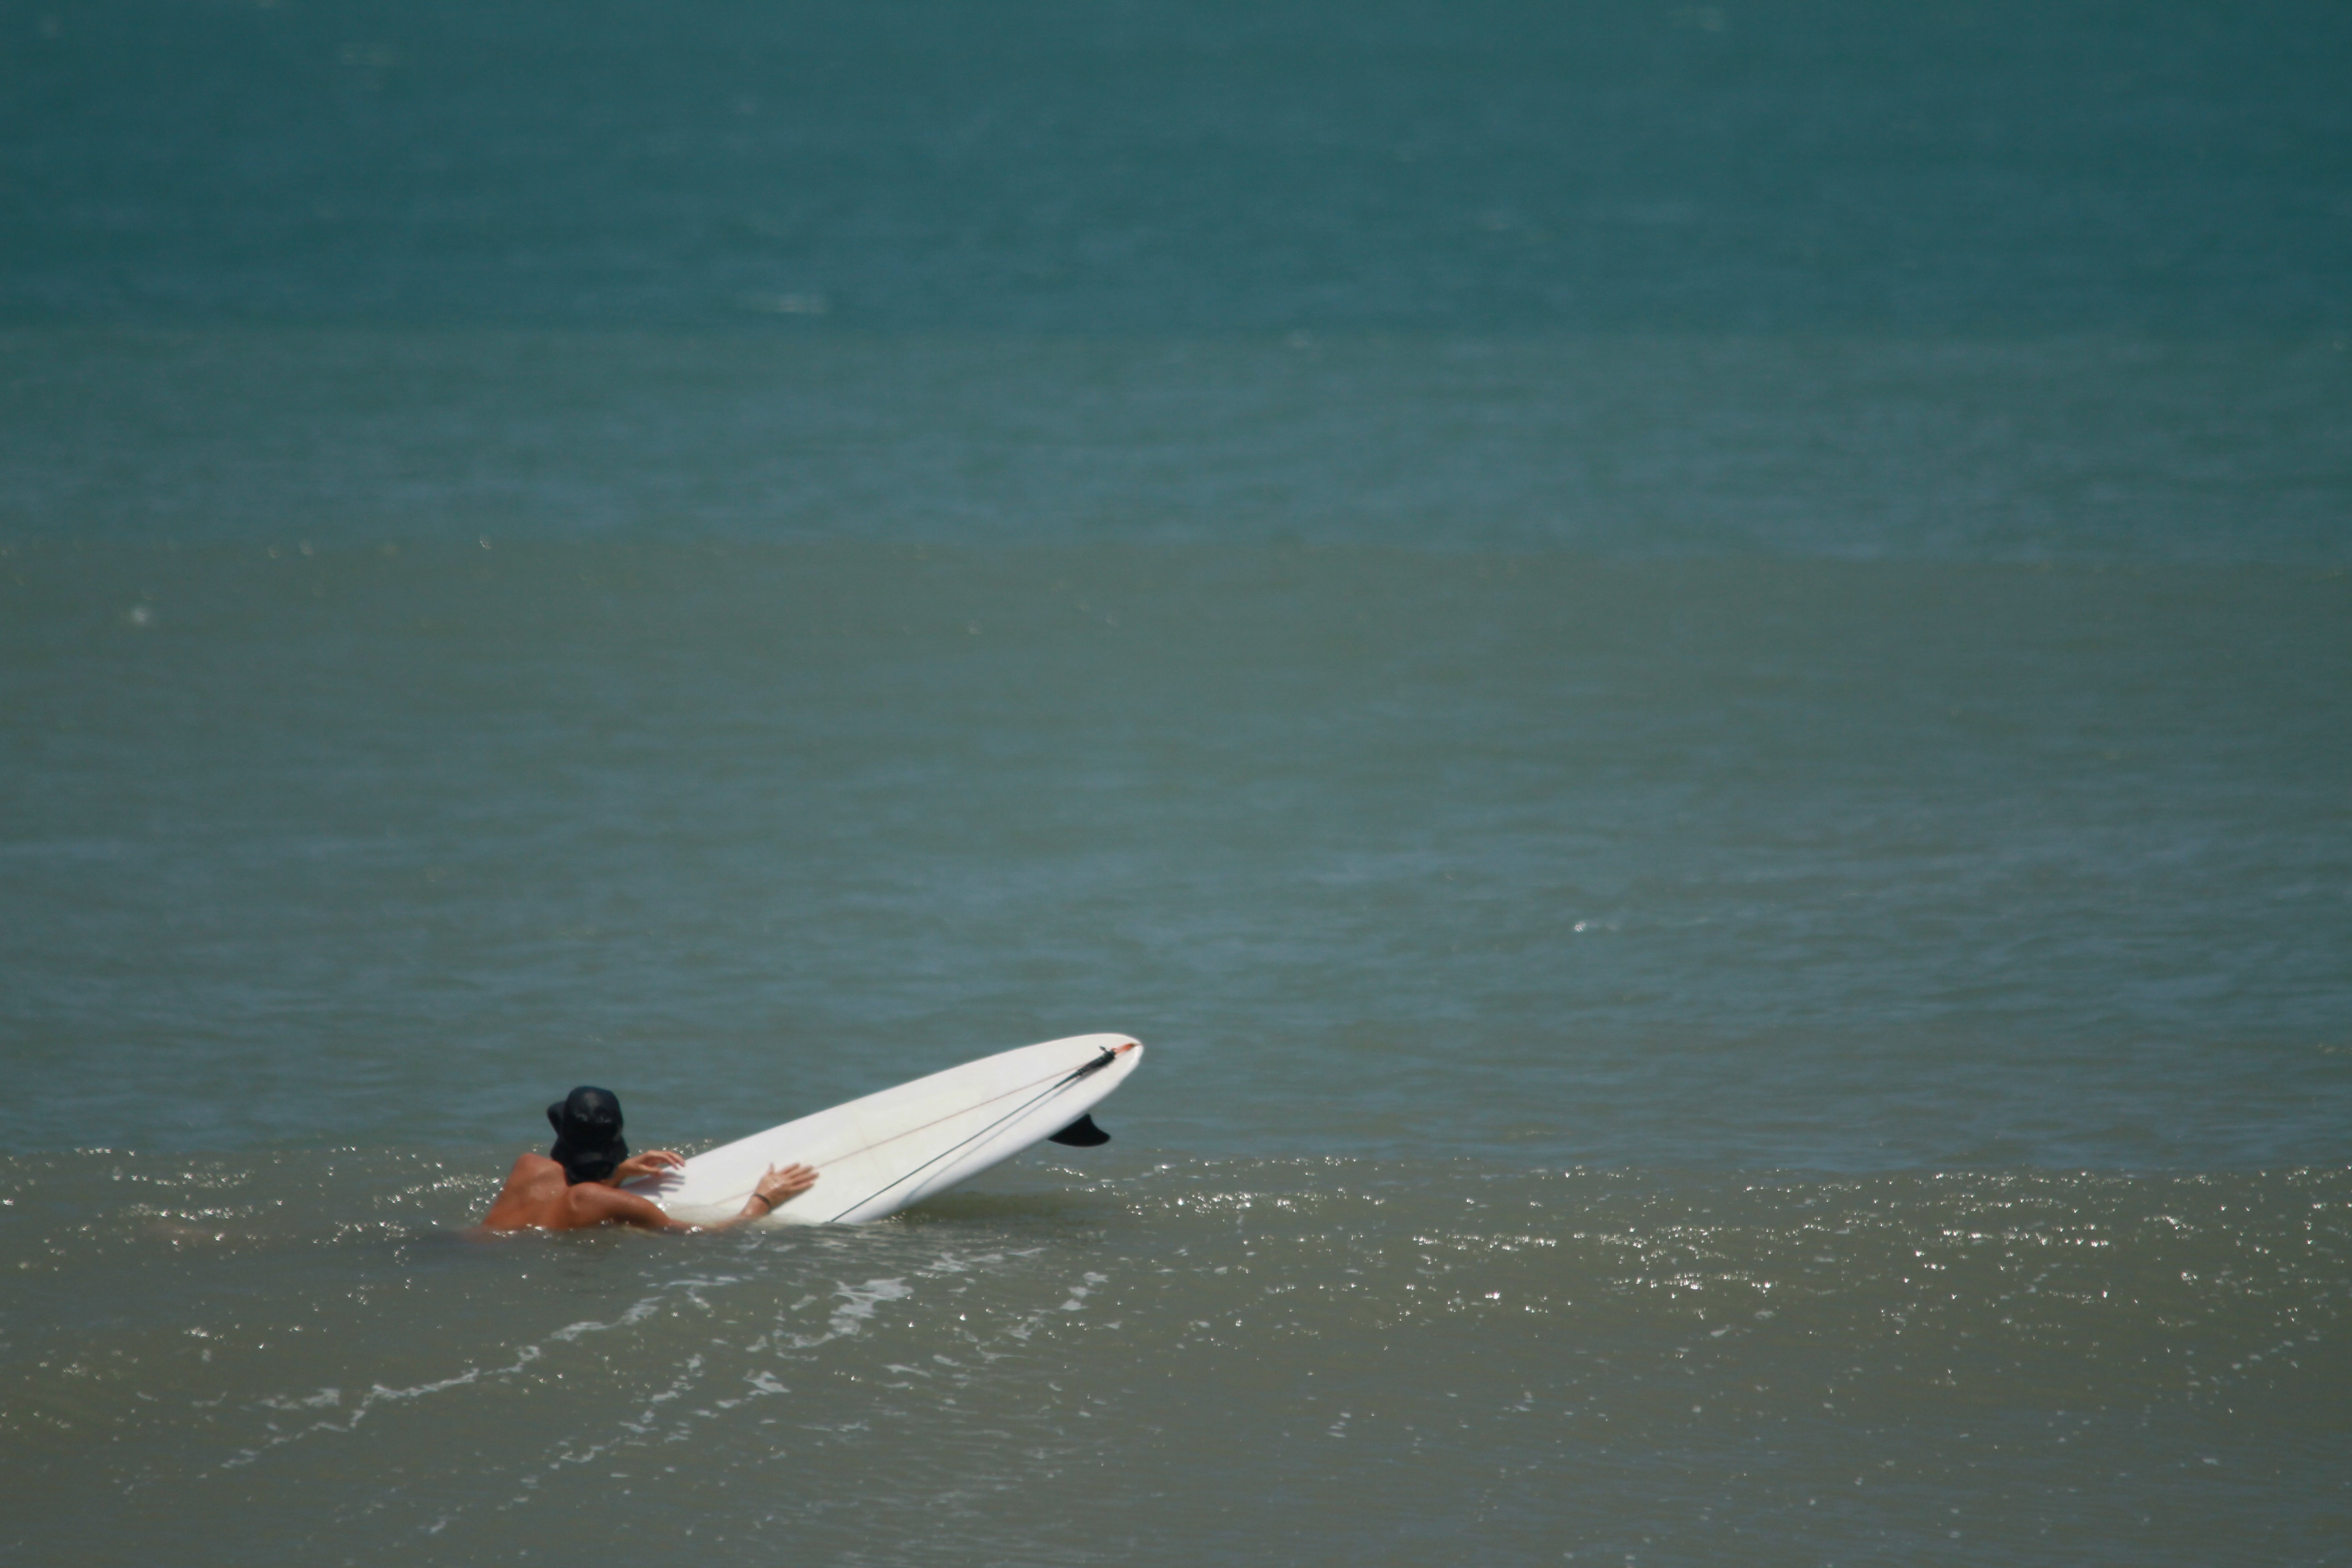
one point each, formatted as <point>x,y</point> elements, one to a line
<point>1820,864</point>
<point>1058,166</point>
<point>1691,667</point>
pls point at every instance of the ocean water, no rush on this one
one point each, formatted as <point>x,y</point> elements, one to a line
<point>1691,668</point>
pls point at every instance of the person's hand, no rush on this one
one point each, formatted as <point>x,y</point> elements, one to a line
<point>783,1182</point>
<point>651,1162</point>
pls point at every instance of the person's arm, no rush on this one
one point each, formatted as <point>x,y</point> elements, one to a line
<point>779,1186</point>
<point>776,1187</point>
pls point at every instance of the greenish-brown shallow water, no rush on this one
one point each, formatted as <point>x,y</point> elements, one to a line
<point>1171,1361</point>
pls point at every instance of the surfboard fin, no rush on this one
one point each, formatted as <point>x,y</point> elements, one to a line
<point>1080,1134</point>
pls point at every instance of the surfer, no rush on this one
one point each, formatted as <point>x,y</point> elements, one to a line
<point>576,1185</point>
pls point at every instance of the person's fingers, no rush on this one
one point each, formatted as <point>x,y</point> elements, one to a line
<point>785,1182</point>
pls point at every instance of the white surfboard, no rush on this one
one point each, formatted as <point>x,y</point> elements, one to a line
<point>875,1156</point>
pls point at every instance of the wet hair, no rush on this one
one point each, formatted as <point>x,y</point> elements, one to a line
<point>587,1124</point>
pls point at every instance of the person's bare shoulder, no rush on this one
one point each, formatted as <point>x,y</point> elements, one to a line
<point>526,1191</point>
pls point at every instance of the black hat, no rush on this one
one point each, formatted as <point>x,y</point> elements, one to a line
<point>587,1124</point>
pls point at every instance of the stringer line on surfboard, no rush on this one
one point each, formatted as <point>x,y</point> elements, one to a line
<point>1096,1066</point>
<point>1091,1067</point>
